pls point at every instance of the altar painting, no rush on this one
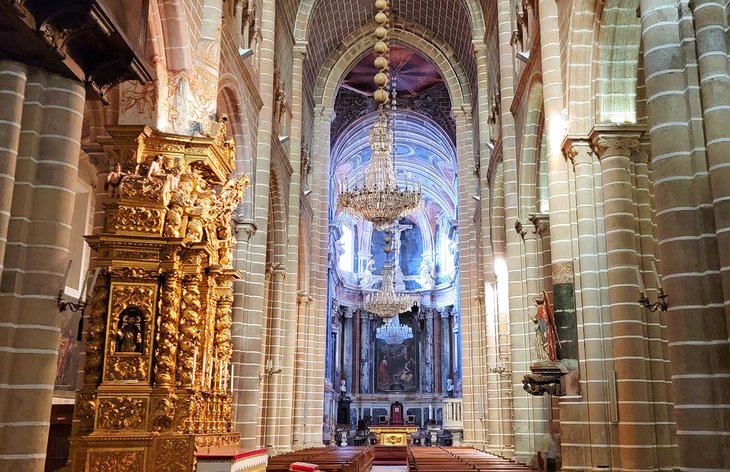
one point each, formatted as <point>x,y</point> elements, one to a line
<point>396,366</point>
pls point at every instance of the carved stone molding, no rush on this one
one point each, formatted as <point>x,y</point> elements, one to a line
<point>545,378</point>
<point>618,140</point>
<point>563,272</point>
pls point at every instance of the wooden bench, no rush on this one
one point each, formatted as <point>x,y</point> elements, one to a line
<point>328,459</point>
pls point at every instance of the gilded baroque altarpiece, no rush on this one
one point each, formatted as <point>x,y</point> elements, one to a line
<point>158,331</point>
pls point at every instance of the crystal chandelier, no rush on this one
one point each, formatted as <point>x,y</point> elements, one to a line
<point>392,332</point>
<point>380,200</point>
<point>385,302</point>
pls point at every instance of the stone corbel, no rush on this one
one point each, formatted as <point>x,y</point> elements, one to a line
<point>520,230</point>
<point>544,379</point>
<point>541,223</point>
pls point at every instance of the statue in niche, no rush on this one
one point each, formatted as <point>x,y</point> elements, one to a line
<point>450,388</point>
<point>129,331</point>
<point>546,335</point>
<point>113,179</point>
<point>367,279</point>
<point>425,277</point>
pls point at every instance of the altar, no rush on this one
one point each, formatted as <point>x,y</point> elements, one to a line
<point>393,435</point>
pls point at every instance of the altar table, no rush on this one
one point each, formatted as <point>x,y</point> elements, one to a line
<point>393,435</point>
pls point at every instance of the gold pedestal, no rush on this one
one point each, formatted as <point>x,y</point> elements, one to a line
<point>156,380</point>
<point>393,435</point>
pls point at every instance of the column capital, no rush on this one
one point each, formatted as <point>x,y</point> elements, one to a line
<point>463,111</point>
<point>616,140</point>
<point>479,46</point>
<point>300,48</point>
<point>578,150</point>
<point>276,271</point>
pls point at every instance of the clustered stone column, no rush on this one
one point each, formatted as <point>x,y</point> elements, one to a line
<point>274,346</point>
<point>427,372</point>
<point>630,361</point>
<point>690,178</point>
<point>38,171</point>
<point>347,346</point>
<point>446,371</point>
<point>366,354</point>
<point>579,437</point>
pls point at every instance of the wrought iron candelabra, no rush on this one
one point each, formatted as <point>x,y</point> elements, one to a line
<point>660,304</point>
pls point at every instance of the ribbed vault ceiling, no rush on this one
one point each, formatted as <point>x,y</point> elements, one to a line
<point>332,20</point>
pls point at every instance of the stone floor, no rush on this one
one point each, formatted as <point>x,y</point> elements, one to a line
<point>389,468</point>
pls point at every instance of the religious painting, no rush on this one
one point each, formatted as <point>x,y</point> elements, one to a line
<point>69,349</point>
<point>396,366</point>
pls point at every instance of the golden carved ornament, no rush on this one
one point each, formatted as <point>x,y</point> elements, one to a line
<point>96,327</point>
<point>173,455</point>
<point>163,413</point>
<point>180,201</point>
<point>122,413</point>
<point>139,219</point>
<point>166,346</point>
<point>223,324</point>
<point>133,274</point>
<point>137,187</point>
<point>216,440</point>
<point>230,196</point>
<point>130,364</point>
<point>191,306</point>
<point>116,461</point>
<point>85,412</point>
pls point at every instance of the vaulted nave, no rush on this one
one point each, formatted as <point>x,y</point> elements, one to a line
<point>232,230</point>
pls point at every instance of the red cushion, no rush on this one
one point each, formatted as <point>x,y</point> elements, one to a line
<point>303,466</point>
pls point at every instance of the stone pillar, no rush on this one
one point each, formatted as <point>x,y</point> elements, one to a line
<point>13,77</point>
<point>468,271</point>
<point>42,209</point>
<point>246,333</point>
<point>271,385</point>
<point>297,308</point>
<point>560,232</point>
<point>585,444</point>
<point>696,320</point>
<point>438,371</point>
<point>427,373</point>
<point>254,299</point>
<point>356,359</point>
<point>657,350</point>
<point>366,354</point>
<point>445,348</point>
<point>316,329</point>
<point>710,18</point>
<point>347,347</point>
<point>300,419</point>
<point>635,418</point>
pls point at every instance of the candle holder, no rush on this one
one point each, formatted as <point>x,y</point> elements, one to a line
<point>64,305</point>
<point>269,372</point>
<point>660,304</point>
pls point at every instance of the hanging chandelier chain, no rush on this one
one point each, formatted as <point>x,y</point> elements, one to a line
<point>380,200</point>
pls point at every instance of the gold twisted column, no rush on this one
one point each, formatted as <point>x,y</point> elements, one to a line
<point>190,326</point>
<point>167,344</point>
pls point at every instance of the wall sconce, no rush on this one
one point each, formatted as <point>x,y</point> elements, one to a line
<point>83,299</point>
<point>499,370</point>
<point>269,371</point>
<point>661,303</point>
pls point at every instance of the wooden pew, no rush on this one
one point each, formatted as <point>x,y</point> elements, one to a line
<point>328,459</point>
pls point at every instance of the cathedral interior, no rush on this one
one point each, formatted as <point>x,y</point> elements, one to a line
<point>239,230</point>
